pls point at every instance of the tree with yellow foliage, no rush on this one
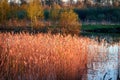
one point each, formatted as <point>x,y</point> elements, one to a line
<point>35,11</point>
<point>54,12</point>
<point>69,22</point>
<point>4,10</point>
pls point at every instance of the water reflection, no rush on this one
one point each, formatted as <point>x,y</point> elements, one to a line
<point>103,60</point>
<point>109,37</point>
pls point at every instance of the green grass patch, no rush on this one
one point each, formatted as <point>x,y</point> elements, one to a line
<point>98,26</point>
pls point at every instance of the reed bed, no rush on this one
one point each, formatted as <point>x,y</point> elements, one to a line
<point>43,57</point>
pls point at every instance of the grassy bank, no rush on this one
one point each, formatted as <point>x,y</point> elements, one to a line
<point>98,26</point>
<point>101,28</point>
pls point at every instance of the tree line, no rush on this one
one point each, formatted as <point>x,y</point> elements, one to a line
<point>99,14</point>
<point>78,3</point>
<point>55,17</point>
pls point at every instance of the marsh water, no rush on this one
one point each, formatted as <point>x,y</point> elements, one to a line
<point>109,37</point>
<point>103,62</point>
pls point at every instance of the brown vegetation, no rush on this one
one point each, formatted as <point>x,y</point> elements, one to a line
<point>69,22</point>
<point>42,56</point>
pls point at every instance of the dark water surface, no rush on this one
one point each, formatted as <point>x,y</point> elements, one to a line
<point>109,37</point>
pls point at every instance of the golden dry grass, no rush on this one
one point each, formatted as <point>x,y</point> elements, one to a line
<point>42,57</point>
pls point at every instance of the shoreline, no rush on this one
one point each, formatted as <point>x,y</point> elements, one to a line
<point>86,28</point>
